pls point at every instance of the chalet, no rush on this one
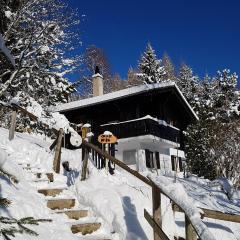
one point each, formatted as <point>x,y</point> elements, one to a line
<point>148,121</point>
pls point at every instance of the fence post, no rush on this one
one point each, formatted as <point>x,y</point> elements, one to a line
<point>190,233</point>
<point>57,157</point>
<point>85,154</point>
<point>156,203</point>
<point>13,124</point>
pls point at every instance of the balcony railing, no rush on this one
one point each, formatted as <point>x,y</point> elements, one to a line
<point>143,127</point>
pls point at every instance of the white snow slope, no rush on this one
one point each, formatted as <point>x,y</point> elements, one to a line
<point>119,199</point>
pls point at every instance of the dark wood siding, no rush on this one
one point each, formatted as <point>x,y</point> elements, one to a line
<point>164,104</point>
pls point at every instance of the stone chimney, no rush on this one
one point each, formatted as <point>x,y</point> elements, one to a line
<point>97,79</point>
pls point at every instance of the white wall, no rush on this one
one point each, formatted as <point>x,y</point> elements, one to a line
<point>140,144</point>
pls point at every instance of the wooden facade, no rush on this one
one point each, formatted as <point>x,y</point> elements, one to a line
<point>166,104</point>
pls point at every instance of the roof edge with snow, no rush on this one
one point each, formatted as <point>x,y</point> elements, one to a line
<point>121,94</point>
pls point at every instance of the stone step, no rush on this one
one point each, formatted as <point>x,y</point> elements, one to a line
<point>40,180</point>
<point>51,192</point>
<point>94,237</point>
<point>49,176</point>
<point>28,167</point>
<point>75,214</point>
<point>85,228</point>
<point>60,203</point>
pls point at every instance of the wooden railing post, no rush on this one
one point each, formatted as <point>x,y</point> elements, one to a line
<point>156,204</point>
<point>13,124</point>
<point>155,226</point>
<point>190,233</point>
<point>57,157</point>
<point>85,155</point>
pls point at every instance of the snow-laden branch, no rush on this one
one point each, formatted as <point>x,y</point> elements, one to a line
<point>8,83</point>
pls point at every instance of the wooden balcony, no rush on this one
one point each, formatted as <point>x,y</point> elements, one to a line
<point>141,127</point>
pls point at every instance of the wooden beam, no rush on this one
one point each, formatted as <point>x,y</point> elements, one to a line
<point>190,233</point>
<point>31,116</point>
<point>57,157</point>
<point>156,228</point>
<point>214,214</point>
<point>156,205</point>
<point>24,111</point>
<point>163,192</point>
<point>117,162</point>
<point>13,124</point>
<point>53,144</point>
<point>85,155</point>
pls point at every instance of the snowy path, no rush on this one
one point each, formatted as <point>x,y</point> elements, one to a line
<point>30,160</point>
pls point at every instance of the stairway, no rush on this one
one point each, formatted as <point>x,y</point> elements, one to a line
<point>61,200</point>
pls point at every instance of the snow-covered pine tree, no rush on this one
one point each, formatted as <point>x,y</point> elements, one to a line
<point>225,149</point>
<point>198,135</point>
<point>225,95</point>
<point>198,147</point>
<point>212,143</point>
<point>188,83</point>
<point>150,67</point>
<point>41,39</point>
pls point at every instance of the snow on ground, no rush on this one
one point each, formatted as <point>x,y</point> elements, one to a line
<point>119,199</point>
<point>210,195</point>
<point>26,202</point>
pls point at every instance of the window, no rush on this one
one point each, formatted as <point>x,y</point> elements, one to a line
<point>174,161</point>
<point>157,160</point>
<point>149,158</point>
<point>180,164</point>
<point>129,157</point>
<point>152,159</point>
<point>177,163</point>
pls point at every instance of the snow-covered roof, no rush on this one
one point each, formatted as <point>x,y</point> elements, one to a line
<point>5,51</point>
<point>121,94</point>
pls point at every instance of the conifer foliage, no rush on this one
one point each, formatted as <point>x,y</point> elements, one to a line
<point>151,67</point>
<point>213,142</point>
<point>11,226</point>
<point>187,82</point>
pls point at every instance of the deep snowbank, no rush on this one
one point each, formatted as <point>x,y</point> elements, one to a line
<point>26,202</point>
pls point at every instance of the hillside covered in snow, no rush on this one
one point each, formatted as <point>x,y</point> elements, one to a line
<point>116,201</point>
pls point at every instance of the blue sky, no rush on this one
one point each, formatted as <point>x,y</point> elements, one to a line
<point>204,34</point>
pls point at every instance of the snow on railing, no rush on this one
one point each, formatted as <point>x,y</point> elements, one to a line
<point>176,192</point>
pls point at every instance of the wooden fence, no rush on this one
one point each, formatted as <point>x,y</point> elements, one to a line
<point>57,144</point>
<point>192,232</point>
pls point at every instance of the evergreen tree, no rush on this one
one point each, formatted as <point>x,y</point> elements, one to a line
<point>188,83</point>
<point>225,94</point>
<point>212,143</point>
<point>150,67</point>
<point>198,147</point>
